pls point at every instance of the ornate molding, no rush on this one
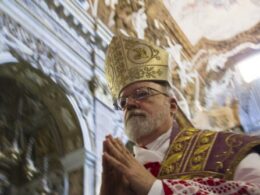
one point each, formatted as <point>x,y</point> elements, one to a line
<point>52,21</point>
<point>168,27</point>
<point>250,36</point>
<point>58,50</point>
<point>27,48</point>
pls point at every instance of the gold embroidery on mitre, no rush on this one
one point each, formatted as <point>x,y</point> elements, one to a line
<point>129,60</point>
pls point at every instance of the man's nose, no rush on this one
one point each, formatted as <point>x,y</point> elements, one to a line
<point>131,103</point>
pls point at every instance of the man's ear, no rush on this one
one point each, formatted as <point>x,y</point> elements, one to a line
<point>173,104</point>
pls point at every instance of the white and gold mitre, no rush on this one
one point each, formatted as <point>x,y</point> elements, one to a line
<point>129,60</point>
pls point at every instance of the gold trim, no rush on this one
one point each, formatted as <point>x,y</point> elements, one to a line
<point>177,150</point>
<point>202,149</point>
<point>191,175</point>
<point>130,60</point>
<point>156,10</point>
<point>184,167</point>
<point>243,152</point>
<point>170,24</point>
<point>190,150</point>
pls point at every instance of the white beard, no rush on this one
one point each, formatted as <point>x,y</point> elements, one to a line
<point>138,126</point>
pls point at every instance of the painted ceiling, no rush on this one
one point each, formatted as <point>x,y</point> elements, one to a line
<point>207,38</point>
<point>212,19</point>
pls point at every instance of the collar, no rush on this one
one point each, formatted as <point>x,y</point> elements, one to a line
<point>154,151</point>
<point>156,144</point>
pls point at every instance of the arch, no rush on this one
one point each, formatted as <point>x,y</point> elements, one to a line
<point>71,133</point>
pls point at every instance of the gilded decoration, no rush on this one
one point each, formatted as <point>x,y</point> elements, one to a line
<point>195,153</point>
<point>201,151</point>
<point>26,133</point>
<point>49,94</point>
<point>155,10</point>
<point>237,146</point>
<point>175,157</point>
<point>199,143</point>
<point>196,65</point>
<point>130,60</point>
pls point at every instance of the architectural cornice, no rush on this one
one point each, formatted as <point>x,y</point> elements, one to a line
<point>250,36</point>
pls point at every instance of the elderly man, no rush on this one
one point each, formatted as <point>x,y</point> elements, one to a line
<point>171,156</point>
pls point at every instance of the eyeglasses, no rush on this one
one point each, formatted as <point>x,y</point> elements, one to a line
<point>138,95</point>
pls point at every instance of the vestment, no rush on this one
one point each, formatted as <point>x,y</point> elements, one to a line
<point>193,154</point>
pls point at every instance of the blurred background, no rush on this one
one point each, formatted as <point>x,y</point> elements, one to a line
<point>55,107</point>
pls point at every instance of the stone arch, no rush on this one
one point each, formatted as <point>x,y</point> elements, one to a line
<point>67,129</point>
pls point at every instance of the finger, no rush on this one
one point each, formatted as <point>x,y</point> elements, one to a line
<point>123,151</point>
<point>104,162</point>
<point>108,137</point>
<point>119,166</point>
<point>106,166</point>
<point>117,149</point>
<point>119,142</point>
<point>114,151</point>
<point>106,147</point>
<point>109,171</point>
<point>119,146</point>
<point>122,146</point>
<point>114,142</point>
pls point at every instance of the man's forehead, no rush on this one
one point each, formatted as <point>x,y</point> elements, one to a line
<point>132,87</point>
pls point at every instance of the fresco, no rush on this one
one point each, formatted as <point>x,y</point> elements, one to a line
<point>216,20</point>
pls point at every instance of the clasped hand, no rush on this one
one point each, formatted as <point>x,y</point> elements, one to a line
<point>122,173</point>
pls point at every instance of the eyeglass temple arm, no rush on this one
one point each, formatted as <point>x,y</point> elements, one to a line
<point>115,105</point>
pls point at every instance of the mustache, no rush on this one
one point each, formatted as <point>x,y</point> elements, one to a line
<point>135,113</point>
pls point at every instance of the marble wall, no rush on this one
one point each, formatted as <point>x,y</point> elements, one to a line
<point>64,43</point>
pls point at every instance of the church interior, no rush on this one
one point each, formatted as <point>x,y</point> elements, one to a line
<point>55,105</point>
